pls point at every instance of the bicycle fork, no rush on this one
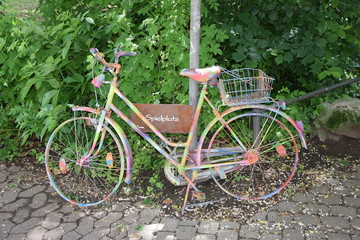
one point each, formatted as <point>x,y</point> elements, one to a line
<point>100,133</point>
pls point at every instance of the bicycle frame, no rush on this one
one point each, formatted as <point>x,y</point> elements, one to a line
<point>110,107</point>
<point>114,68</point>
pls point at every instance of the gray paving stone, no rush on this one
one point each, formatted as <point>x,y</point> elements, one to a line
<point>72,235</point>
<point>170,224</point>
<point>26,226</point>
<point>343,211</point>
<point>165,236</point>
<point>18,236</point>
<point>25,186</point>
<point>4,216</point>
<point>6,226</point>
<point>74,216</point>
<point>269,236</point>
<point>311,208</point>
<point>279,217</point>
<point>335,222</point>
<point>10,195</point>
<point>52,220</point>
<point>147,215</point>
<point>108,219</point>
<point>227,235</point>
<point>351,183</point>
<point>261,216</point>
<point>249,231</point>
<point>96,234</point>
<point>331,200</point>
<point>145,231</point>
<point>355,223</point>
<point>229,225</point>
<point>21,215</point>
<point>61,230</point>
<point>351,201</point>
<point>208,227</point>
<point>118,231</point>
<point>3,176</point>
<point>32,191</point>
<point>355,236</point>
<point>36,233</point>
<point>337,236</point>
<point>188,223</point>
<point>43,211</point>
<point>100,214</point>
<point>205,237</point>
<point>306,219</point>
<point>131,215</point>
<point>304,198</point>
<point>85,225</point>
<point>185,232</point>
<point>293,234</point>
<point>321,189</point>
<point>289,206</point>
<point>156,220</point>
<point>14,206</point>
<point>3,235</point>
<point>38,200</point>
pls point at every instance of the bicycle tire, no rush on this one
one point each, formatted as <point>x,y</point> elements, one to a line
<point>97,178</point>
<point>267,171</point>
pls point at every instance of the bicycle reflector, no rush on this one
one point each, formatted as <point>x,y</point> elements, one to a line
<point>98,80</point>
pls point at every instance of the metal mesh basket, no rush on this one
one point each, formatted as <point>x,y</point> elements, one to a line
<point>244,86</point>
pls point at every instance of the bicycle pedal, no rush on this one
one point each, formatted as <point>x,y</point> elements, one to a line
<point>199,196</point>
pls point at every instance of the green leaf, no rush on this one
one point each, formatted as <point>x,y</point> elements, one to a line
<point>90,20</point>
<point>24,91</point>
<point>321,42</point>
<point>54,83</point>
<point>332,37</point>
<point>279,59</point>
<point>336,72</point>
<point>2,43</point>
<point>238,56</point>
<point>341,33</point>
<point>334,62</point>
<point>322,27</point>
<point>48,96</point>
<point>288,57</point>
<point>323,74</point>
<point>66,49</point>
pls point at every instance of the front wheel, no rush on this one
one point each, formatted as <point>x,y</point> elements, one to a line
<point>83,174</point>
<point>264,166</point>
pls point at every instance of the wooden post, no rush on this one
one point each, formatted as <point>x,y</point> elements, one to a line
<point>194,56</point>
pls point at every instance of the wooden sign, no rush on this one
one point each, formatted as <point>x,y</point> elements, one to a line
<point>167,118</point>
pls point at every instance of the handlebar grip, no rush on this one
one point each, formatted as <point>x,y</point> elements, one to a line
<point>93,50</point>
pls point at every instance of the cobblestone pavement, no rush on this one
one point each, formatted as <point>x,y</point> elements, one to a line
<point>33,211</point>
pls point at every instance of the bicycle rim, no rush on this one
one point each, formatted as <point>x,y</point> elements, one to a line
<point>271,155</point>
<point>96,178</point>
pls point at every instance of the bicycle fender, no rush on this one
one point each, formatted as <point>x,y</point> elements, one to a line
<point>123,138</point>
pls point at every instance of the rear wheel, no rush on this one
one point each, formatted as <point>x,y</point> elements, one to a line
<point>268,161</point>
<point>82,174</point>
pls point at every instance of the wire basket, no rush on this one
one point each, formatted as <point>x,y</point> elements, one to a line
<point>244,86</point>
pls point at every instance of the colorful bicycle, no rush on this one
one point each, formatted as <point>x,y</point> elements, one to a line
<point>250,150</point>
